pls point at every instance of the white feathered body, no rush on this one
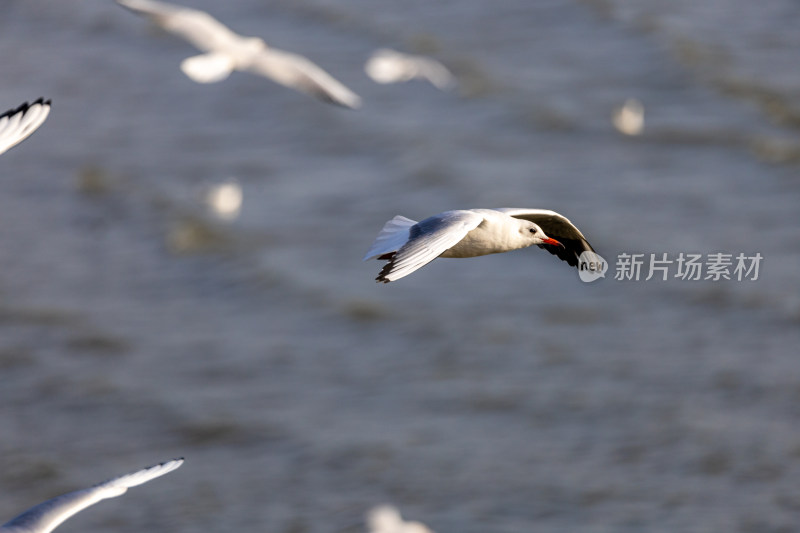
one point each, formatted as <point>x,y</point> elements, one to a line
<point>496,234</point>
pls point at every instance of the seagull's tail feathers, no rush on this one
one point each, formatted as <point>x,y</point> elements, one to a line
<point>391,238</point>
<point>208,68</point>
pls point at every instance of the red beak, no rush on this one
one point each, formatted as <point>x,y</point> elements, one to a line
<point>552,242</point>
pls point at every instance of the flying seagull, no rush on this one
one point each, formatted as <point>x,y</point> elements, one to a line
<point>390,66</point>
<point>386,519</point>
<point>225,199</point>
<point>629,117</point>
<point>226,51</point>
<point>17,124</point>
<point>408,245</point>
<point>48,515</point>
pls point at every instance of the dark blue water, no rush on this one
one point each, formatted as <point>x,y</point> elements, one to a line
<point>497,394</point>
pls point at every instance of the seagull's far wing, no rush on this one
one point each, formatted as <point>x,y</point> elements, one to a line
<point>436,73</point>
<point>557,227</point>
<point>299,73</point>
<point>198,27</point>
<point>46,516</point>
<point>428,239</point>
<point>17,124</point>
<point>392,237</point>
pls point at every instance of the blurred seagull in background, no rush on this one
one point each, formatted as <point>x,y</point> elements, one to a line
<point>387,519</point>
<point>408,245</point>
<point>46,516</point>
<point>226,51</point>
<point>389,66</point>
<point>225,199</point>
<point>17,124</point>
<point>629,117</point>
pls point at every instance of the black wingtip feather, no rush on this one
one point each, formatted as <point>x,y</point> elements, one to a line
<point>24,106</point>
<point>387,268</point>
<point>385,271</point>
<point>571,251</point>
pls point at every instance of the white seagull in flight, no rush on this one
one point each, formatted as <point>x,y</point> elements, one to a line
<point>48,515</point>
<point>390,66</point>
<point>386,519</point>
<point>408,245</point>
<point>629,117</point>
<point>17,124</point>
<point>226,51</point>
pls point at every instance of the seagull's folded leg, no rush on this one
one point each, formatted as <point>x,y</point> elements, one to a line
<point>208,68</point>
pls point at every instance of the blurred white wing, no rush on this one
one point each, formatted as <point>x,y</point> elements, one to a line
<point>297,72</point>
<point>17,124</point>
<point>435,72</point>
<point>199,28</point>
<point>428,239</point>
<point>46,516</point>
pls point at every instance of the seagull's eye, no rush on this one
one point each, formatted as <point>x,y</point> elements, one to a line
<point>532,230</point>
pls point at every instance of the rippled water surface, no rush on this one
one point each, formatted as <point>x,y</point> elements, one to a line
<point>498,394</point>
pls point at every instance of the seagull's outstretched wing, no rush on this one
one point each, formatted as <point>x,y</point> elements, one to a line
<point>559,228</point>
<point>198,27</point>
<point>427,240</point>
<point>299,73</point>
<point>46,516</point>
<point>436,73</point>
<point>17,124</point>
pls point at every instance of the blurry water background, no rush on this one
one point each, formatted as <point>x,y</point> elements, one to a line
<point>498,394</point>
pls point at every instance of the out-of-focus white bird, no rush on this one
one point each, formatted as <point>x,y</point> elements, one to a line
<point>390,66</point>
<point>46,516</point>
<point>226,51</point>
<point>629,117</point>
<point>17,124</point>
<point>225,199</point>
<point>387,519</point>
<point>408,245</point>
